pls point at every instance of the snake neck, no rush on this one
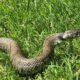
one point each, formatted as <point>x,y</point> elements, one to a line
<point>48,47</point>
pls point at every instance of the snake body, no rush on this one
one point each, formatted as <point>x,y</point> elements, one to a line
<point>32,65</point>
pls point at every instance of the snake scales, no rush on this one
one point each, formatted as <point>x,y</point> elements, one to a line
<point>30,66</point>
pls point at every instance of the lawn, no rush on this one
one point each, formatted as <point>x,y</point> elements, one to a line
<point>29,22</point>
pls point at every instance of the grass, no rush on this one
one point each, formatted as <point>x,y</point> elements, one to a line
<point>29,22</point>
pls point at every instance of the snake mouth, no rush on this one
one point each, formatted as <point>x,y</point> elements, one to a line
<point>71,34</point>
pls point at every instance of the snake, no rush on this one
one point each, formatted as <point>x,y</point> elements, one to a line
<point>33,65</point>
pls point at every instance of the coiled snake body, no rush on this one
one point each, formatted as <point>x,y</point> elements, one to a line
<point>33,65</point>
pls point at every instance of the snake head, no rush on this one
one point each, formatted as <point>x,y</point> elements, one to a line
<point>71,34</point>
